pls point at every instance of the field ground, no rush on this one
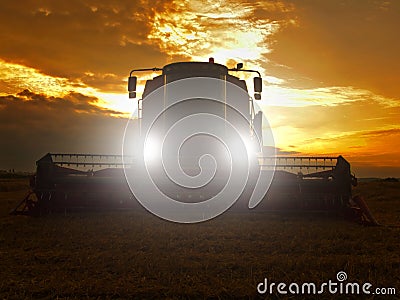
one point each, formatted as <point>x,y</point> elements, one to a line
<point>136,255</point>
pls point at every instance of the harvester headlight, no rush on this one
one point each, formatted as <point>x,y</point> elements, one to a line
<point>152,149</point>
<point>251,146</point>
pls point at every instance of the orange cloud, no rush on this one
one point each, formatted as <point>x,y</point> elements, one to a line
<point>69,39</point>
<point>229,31</point>
<point>341,44</point>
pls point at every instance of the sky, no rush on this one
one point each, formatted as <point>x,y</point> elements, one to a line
<point>330,71</point>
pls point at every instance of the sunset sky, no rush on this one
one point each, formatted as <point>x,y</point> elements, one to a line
<point>331,71</point>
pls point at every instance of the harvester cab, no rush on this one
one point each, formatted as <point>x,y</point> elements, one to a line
<point>185,70</point>
<point>220,121</point>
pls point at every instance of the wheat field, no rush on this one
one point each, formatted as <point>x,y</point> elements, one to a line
<point>135,255</point>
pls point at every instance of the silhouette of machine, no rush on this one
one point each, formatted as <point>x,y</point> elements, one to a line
<point>93,181</point>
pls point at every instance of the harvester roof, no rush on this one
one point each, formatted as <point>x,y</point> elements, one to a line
<point>198,69</point>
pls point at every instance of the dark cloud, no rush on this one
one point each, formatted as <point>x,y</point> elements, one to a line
<point>34,124</point>
<point>286,152</point>
<point>108,82</point>
<point>376,133</point>
<point>268,151</point>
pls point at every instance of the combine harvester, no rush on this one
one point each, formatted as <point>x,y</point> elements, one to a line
<point>66,182</point>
